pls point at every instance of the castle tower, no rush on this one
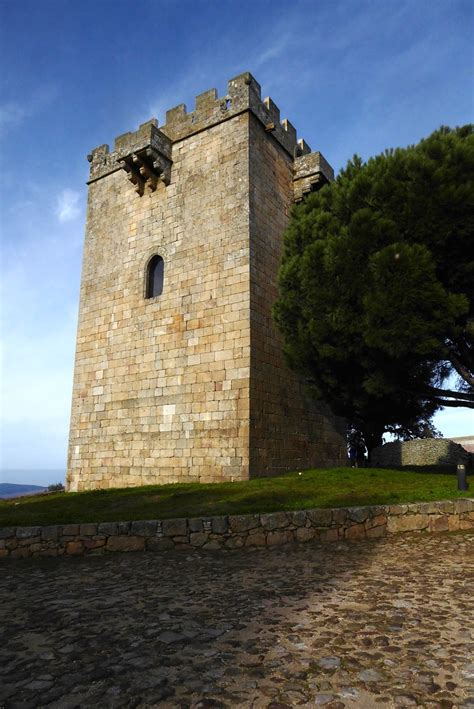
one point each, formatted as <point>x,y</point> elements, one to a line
<point>179,372</point>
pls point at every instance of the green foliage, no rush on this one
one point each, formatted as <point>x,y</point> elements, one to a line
<point>376,285</point>
<point>56,487</point>
<point>338,487</point>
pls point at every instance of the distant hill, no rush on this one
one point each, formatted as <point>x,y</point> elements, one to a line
<point>13,490</point>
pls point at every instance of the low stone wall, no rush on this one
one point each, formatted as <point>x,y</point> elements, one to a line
<point>235,531</point>
<point>424,451</point>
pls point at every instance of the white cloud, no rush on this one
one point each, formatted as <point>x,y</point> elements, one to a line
<point>176,92</point>
<point>67,205</point>
<point>38,296</point>
<point>272,51</point>
<point>11,115</point>
<point>14,113</point>
<point>219,62</point>
<point>455,422</point>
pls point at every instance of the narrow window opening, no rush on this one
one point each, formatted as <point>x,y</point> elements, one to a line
<point>155,276</point>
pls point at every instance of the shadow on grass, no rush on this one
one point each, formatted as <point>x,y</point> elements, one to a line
<point>341,487</point>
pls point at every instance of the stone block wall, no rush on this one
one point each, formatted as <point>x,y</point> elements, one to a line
<point>288,429</point>
<point>422,452</point>
<point>161,384</point>
<point>191,385</point>
<point>237,531</point>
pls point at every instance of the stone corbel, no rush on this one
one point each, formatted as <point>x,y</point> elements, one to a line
<point>145,168</point>
<point>310,184</point>
<point>311,172</point>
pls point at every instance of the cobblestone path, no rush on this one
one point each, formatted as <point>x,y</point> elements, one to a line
<point>381,623</point>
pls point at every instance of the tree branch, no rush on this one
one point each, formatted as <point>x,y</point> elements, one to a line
<point>463,372</point>
<point>372,205</point>
<point>442,402</point>
<point>450,393</point>
<point>460,355</point>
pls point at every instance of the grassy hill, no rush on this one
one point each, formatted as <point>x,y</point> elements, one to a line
<point>335,487</point>
<point>15,490</point>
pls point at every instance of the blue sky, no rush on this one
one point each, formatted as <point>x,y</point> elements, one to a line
<point>352,76</point>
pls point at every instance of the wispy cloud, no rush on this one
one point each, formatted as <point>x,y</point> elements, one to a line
<point>218,66</point>
<point>273,51</point>
<point>14,113</point>
<point>67,205</point>
<point>274,58</point>
<point>11,114</point>
<point>39,291</point>
<point>455,422</point>
<point>179,91</point>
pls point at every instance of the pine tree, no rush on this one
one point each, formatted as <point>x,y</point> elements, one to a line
<point>376,286</point>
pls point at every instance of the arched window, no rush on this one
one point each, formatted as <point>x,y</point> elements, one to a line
<point>154,277</point>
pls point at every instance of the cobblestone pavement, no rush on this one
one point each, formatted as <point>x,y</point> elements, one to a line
<point>380,623</point>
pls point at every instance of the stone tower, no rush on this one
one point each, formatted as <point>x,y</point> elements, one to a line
<point>179,372</point>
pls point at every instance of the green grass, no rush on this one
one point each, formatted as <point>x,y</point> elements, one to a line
<point>335,487</point>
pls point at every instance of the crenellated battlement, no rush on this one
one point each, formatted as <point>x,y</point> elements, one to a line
<point>243,94</point>
<point>145,154</point>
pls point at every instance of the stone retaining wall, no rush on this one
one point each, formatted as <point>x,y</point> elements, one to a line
<point>425,451</point>
<point>235,531</point>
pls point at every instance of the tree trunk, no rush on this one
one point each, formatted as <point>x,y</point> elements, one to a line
<point>373,438</point>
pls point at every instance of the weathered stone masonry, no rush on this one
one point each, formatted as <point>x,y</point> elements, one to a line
<point>236,531</point>
<point>191,385</point>
<point>425,451</point>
